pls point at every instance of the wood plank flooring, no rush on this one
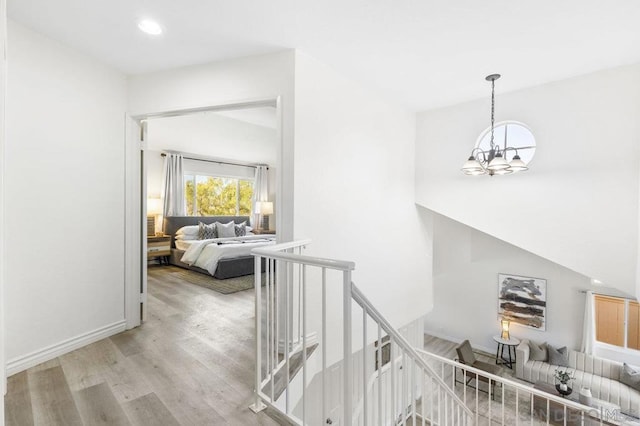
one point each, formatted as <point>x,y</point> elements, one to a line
<point>191,363</point>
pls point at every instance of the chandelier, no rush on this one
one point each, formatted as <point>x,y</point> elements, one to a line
<point>493,161</point>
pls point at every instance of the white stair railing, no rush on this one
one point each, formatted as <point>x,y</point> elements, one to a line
<point>310,368</point>
<point>496,400</point>
<point>376,379</point>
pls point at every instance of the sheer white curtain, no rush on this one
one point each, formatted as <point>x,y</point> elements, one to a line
<point>589,325</point>
<point>260,190</point>
<point>173,186</point>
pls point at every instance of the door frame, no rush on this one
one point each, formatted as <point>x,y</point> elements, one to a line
<point>3,105</point>
<point>135,264</point>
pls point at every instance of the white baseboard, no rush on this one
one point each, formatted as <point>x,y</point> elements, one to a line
<point>24,362</point>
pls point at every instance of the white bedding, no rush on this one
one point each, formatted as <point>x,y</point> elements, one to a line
<point>185,244</point>
<point>205,254</point>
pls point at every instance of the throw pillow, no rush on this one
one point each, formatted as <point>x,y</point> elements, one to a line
<point>207,232</point>
<point>226,230</point>
<point>188,230</point>
<point>186,237</point>
<point>559,357</point>
<point>537,351</point>
<point>241,229</point>
<point>630,377</point>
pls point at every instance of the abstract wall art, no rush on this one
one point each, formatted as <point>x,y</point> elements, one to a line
<point>523,300</point>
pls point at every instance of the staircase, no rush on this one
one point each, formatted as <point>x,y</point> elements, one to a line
<point>325,355</point>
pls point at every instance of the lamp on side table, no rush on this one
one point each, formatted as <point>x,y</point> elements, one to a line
<point>265,208</point>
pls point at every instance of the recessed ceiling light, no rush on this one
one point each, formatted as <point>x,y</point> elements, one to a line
<point>150,27</point>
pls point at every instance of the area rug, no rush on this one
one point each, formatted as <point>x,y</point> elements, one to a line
<point>227,286</point>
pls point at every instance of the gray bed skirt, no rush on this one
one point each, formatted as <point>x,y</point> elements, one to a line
<point>227,268</point>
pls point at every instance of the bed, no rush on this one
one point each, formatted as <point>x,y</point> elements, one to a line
<point>231,260</point>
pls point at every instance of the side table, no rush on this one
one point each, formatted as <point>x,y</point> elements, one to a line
<point>511,344</point>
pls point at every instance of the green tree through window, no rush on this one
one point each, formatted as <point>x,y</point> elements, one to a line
<point>217,196</point>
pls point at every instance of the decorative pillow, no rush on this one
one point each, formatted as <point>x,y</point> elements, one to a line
<point>189,230</point>
<point>207,232</point>
<point>186,237</point>
<point>537,352</point>
<point>559,357</point>
<point>630,377</point>
<point>241,229</point>
<point>226,230</point>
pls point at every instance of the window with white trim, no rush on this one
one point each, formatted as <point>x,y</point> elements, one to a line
<point>209,195</point>
<point>617,321</point>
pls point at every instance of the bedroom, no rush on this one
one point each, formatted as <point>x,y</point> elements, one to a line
<point>225,173</point>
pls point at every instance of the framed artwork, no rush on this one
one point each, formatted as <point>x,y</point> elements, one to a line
<point>523,300</point>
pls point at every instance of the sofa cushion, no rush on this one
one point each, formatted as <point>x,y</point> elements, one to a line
<point>558,357</point>
<point>630,377</point>
<point>537,351</point>
<point>601,387</point>
<point>594,365</point>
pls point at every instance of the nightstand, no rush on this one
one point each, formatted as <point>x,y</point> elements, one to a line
<point>264,231</point>
<point>159,248</point>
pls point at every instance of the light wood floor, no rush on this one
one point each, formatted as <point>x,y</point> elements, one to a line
<point>447,349</point>
<point>191,363</point>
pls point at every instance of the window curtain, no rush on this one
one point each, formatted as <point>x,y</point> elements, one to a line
<point>260,190</point>
<point>589,325</point>
<point>173,186</point>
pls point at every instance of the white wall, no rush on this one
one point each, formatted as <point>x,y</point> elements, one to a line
<point>64,198</point>
<point>354,191</point>
<point>578,204</point>
<point>465,280</point>
<point>222,83</point>
<point>215,135</point>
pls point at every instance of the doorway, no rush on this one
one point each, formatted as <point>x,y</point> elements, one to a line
<point>187,132</point>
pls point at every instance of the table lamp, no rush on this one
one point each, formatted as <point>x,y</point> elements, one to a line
<point>265,208</point>
<point>154,209</point>
<point>505,329</point>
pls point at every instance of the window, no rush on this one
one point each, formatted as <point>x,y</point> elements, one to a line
<point>519,136</point>
<point>217,195</point>
<point>617,321</point>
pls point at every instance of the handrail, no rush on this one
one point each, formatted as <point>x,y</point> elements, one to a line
<point>361,299</point>
<point>321,262</point>
<point>499,379</point>
<point>286,246</point>
<point>284,312</point>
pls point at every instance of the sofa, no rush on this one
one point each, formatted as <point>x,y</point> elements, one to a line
<point>600,375</point>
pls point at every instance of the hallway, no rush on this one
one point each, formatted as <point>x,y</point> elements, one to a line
<point>191,363</point>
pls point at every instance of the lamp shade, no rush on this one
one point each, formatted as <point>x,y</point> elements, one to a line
<point>264,207</point>
<point>498,163</point>
<point>154,206</point>
<point>503,171</point>
<point>504,328</point>
<point>472,167</point>
<point>517,165</point>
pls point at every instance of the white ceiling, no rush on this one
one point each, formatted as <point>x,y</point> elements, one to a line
<point>421,53</point>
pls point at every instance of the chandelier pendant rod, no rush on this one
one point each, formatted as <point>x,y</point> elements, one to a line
<point>493,103</point>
